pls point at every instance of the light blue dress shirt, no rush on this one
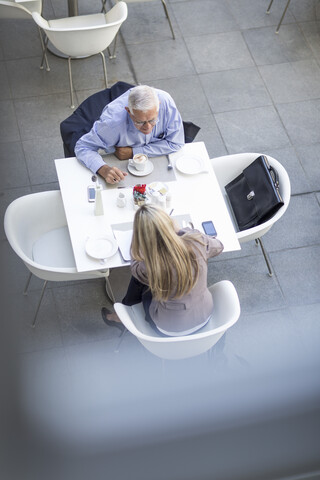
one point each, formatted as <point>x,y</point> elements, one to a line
<point>115,128</point>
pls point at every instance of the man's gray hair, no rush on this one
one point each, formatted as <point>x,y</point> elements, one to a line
<point>143,98</point>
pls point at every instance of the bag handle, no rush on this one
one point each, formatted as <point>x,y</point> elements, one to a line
<point>274,175</point>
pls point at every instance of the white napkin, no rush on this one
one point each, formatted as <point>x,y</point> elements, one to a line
<point>124,238</point>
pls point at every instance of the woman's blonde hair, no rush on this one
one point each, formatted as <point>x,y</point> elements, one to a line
<point>170,260</point>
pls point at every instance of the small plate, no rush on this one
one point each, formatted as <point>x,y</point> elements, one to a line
<point>101,246</point>
<point>141,173</point>
<point>190,165</point>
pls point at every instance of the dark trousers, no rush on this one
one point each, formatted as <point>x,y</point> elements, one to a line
<point>138,292</point>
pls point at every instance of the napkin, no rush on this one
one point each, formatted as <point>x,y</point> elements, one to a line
<point>124,238</point>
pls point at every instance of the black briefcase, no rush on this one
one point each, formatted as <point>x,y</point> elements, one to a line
<point>254,195</point>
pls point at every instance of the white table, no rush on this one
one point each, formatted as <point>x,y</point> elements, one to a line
<point>198,195</point>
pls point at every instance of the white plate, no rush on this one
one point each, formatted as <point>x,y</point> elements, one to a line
<point>101,246</point>
<point>190,165</point>
<point>141,173</point>
<point>156,187</point>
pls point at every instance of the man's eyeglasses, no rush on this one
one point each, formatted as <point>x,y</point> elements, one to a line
<point>142,124</point>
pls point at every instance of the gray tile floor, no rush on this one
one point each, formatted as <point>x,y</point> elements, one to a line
<point>249,90</point>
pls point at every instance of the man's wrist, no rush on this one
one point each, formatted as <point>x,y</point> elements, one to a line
<point>103,171</point>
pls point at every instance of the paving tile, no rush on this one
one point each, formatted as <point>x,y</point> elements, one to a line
<point>253,338</point>
<point>235,89</point>
<point>213,17</point>
<point>151,60</point>
<point>9,131</point>
<point>295,228</point>
<point>306,319</point>
<point>20,39</point>
<point>311,32</point>
<point>188,95</point>
<point>5,91</point>
<point>296,168</point>
<point>221,51</point>
<point>79,309</point>
<point>267,48</point>
<point>40,156</point>
<point>252,14</point>
<point>256,290</point>
<point>292,82</point>
<point>13,169</point>
<point>44,115</point>
<point>298,272</point>
<point>209,133</point>
<point>301,121</point>
<point>251,130</point>
<point>147,23</point>
<point>308,10</point>
<point>309,156</point>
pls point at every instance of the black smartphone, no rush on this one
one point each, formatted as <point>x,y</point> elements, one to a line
<point>209,229</point>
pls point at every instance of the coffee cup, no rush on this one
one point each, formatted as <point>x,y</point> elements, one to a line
<point>139,161</point>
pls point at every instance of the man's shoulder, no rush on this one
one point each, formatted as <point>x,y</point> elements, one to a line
<point>164,96</point>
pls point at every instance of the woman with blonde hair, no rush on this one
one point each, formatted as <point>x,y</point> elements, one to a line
<point>169,273</point>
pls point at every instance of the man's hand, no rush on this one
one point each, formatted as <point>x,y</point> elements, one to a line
<point>123,153</point>
<point>111,174</point>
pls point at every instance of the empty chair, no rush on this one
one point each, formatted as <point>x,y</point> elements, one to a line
<point>229,167</point>
<point>225,314</point>
<point>36,229</point>
<point>22,11</point>
<point>83,35</point>
<point>282,17</point>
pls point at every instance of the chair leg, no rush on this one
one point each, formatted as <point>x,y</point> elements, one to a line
<point>113,54</point>
<point>168,17</point>
<point>70,82</point>
<point>103,9</point>
<point>39,303</point>
<point>44,45</point>
<point>25,291</point>
<point>284,12</point>
<point>268,9</point>
<point>265,257</point>
<point>104,69</point>
<point>109,290</point>
<point>116,350</point>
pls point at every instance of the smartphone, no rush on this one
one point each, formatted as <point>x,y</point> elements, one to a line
<point>91,193</point>
<point>209,229</point>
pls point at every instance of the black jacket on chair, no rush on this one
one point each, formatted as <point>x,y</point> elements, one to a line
<point>83,118</point>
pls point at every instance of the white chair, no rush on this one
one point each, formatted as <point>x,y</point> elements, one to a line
<point>84,35</point>
<point>282,17</point>
<point>136,1</point>
<point>23,11</point>
<point>225,314</point>
<point>36,228</point>
<point>230,166</point>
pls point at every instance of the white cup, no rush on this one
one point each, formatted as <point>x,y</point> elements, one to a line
<point>139,161</point>
<point>121,199</point>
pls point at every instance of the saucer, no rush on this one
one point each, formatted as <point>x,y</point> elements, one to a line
<point>100,247</point>
<point>141,173</point>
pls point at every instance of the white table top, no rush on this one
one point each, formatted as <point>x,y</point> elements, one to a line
<point>197,195</point>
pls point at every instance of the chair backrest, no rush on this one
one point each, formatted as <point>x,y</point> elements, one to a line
<point>29,217</point>
<point>83,118</point>
<point>84,35</point>
<point>10,9</point>
<point>230,166</point>
<point>226,313</point>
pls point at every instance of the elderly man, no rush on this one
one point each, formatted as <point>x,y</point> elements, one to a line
<point>142,120</point>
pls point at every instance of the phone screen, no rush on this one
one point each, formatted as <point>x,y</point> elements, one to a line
<point>91,194</point>
<point>209,229</point>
